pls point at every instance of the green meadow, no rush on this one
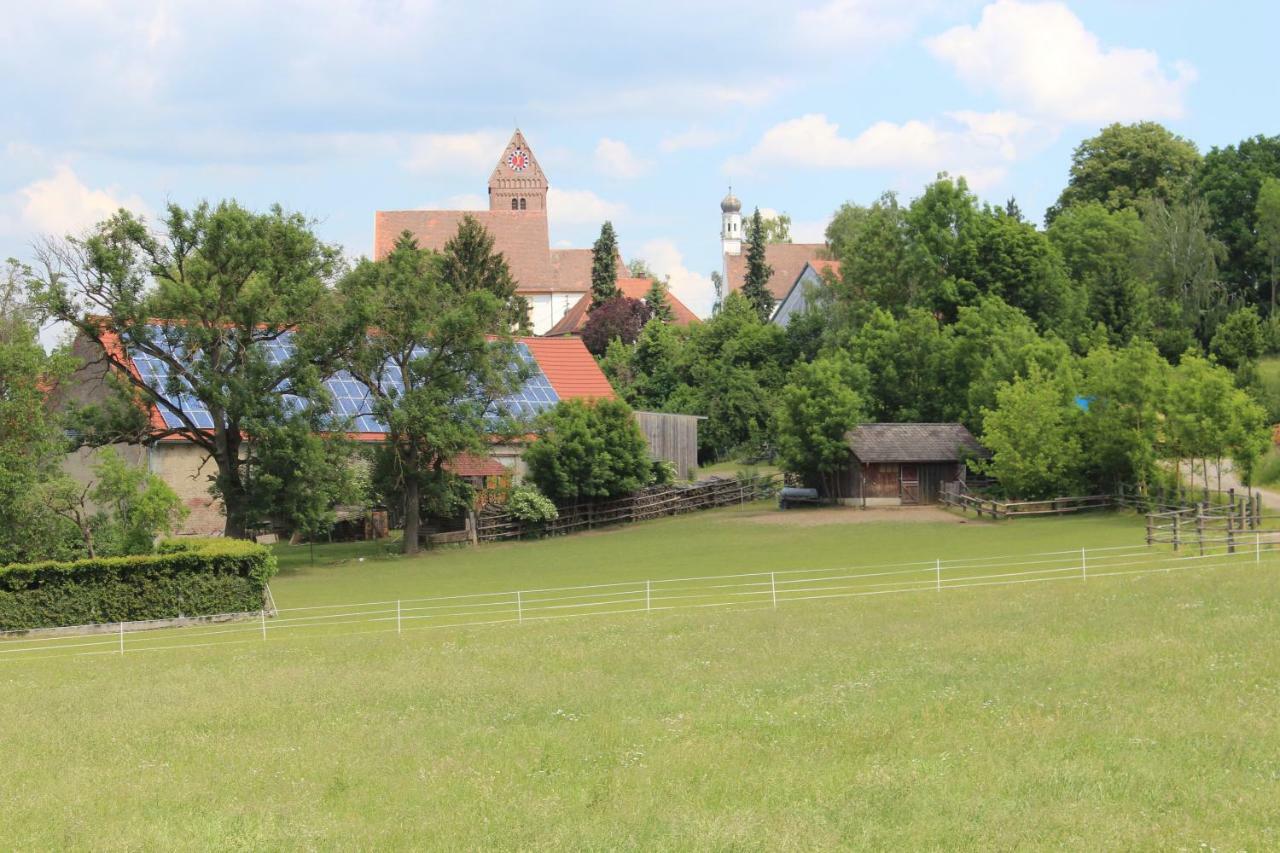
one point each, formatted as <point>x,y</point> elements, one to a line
<point>1134,711</point>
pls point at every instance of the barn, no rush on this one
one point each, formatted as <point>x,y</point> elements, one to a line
<point>904,464</point>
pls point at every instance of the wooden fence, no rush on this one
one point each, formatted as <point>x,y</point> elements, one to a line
<point>1204,523</point>
<point>956,495</point>
<point>495,524</point>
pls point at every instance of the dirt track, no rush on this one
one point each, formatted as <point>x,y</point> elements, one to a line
<point>814,517</point>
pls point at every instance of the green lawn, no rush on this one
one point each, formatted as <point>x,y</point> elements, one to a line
<point>1138,711</point>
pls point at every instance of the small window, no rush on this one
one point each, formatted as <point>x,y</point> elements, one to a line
<point>515,204</point>
<point>522,204</point>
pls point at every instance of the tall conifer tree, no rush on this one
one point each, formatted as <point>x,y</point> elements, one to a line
<point>755,286</point>
<point>604,266</point>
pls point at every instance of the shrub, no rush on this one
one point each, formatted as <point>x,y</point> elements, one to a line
<point>664,472</point>
<point>530,506</point>
<point>588,451</point>
<point>194,578</point>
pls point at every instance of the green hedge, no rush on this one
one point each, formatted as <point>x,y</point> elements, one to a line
<point>186,578</point>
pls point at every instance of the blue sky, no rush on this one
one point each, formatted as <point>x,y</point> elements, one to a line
<point>639,112</point>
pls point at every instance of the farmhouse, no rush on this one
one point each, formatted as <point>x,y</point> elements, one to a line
<point>812,277</point>
<point>787,260</point>
<point>551,280</point>
<point>903,464</point>
<point>575,318</point>
<point>564,371</point>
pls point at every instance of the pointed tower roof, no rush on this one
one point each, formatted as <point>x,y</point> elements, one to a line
<point>517,168</point>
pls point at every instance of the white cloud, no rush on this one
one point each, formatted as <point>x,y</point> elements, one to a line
<point>862,24</point>
<point>451,153</point>
<point>63,204</point>
<point>615,159</point>
<point>684,98</point>
<point>462,201</point>
<point>977,145</point>
<point>691,139</point>
<point>1040,57</point>
<point>693,289</point>
<point>580,207</point>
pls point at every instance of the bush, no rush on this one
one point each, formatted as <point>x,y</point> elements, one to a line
<point>664,473</point>
<point>530,506</point>
<point>588,451</point>
<point>187,578</point>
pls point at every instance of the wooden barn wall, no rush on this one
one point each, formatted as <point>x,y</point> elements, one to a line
<point>672,438</point>
<point>882,480</point>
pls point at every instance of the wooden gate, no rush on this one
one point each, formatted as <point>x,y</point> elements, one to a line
<point>909,483</point>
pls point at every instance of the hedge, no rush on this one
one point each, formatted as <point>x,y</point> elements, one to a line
<point>185,578</point>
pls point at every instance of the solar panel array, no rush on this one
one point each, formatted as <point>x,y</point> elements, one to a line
<point>352,403</point>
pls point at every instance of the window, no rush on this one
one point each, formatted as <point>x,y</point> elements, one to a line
<point>522,204</point>
<point>514,204</point>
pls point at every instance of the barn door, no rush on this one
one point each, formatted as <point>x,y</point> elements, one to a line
<point>909,483</point>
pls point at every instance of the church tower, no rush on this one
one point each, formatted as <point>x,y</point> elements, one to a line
<point>517,182</point>
<point>731,225</point>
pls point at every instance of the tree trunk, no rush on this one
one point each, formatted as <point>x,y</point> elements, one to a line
<point>231,484</point>
<point>412,504</point>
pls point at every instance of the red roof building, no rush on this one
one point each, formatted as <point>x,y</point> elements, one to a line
<point>575,318</point>
<point>552,280</point>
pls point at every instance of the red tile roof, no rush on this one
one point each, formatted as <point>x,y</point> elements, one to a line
<point>634,288</point>
<point>787,260</point>
<point>471,465</point>
<point>521,237</point>
<point>573,373</point>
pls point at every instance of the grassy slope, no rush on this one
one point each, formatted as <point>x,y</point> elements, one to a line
<point>717,542</point>
<point>1127,712</point>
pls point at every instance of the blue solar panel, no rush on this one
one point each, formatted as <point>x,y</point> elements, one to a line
<point>352,402</point>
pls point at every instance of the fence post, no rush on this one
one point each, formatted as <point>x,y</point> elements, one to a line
<point>1150,537</point>
<point>1257,547</point>
<point>121,638</point>
<point>773,588</point>
<point>1177,529</point>
<point>263,614</point>
<point>397,616</point>
<point>648,596</point>
<point>1231,539</point>
<point>1084,566</point>
<point>937,568</point>
<point>1200,527</point>
<point>519,608</point>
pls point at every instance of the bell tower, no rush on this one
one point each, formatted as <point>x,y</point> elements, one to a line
<point>517,182</point>
<point>731,225</point>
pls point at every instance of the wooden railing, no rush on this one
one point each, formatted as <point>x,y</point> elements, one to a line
<point>1217,505</point>
<point>1012,509</point>
<point>494,523</point>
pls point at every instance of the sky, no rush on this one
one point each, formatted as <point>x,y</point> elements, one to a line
<point>640,113</point>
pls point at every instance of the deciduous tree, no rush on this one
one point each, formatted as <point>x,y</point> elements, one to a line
<point>435,353</point>
<point>1128,164</point>
<point>225,285</point>
<point>820,403</point>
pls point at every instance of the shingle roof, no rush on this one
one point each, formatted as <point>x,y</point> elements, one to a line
<point>634,288</point>
<point>570,368</point>
<point>787,260</point>
<point>472,465</point>
<point>521,237</point>
<point>913,443</point>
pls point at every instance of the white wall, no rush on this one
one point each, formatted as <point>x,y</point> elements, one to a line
<point>546,309</point>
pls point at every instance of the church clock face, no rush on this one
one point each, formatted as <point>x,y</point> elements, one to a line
<point>518,160</point>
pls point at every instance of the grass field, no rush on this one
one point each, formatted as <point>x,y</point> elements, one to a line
<point>1136,711</point>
